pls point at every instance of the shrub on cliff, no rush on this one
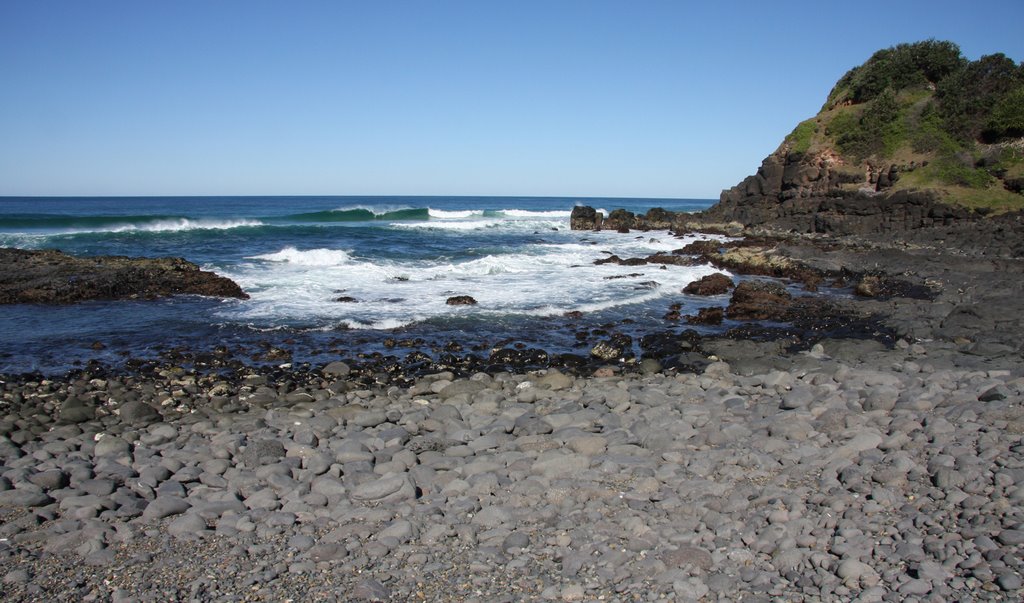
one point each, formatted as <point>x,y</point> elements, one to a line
<point>979,100</point>
<point>1007,119</point>
<point>899,67</point>
<point>968,98</point>
<point>877,131</point>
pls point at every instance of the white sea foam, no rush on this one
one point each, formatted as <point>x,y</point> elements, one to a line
<point>310,257</point>
<point>449,225</point>
<point>525,213</point>
<point>381,325</point>
<point>545,279</point>
<point>442,214</point>
<point>176,225</point>
<point>377,210</point>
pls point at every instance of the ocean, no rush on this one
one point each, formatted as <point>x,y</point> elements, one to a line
<point>392,261</point>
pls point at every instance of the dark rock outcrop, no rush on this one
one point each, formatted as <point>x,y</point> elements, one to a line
<point>712,284</point>
<point>800,192</point>
<point>54,277</point>
<point>621,220</point>
<point>460,300</point>
<point>585,218</point>
<point>759,300</point>
<point>707,316</point>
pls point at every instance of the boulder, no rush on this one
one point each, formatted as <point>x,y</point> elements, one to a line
<point>585,218</point>
<point>712,284</point>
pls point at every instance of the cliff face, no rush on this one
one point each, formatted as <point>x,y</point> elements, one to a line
<point>807,192</point>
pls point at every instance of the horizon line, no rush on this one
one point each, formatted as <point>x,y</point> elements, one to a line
<point>289,196</point>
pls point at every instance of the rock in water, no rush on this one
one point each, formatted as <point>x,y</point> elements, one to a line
<point>585,218</point>
<point>53,277</point>
<point>461,300</point>
<point>707,316</point>
<point>712,284</point>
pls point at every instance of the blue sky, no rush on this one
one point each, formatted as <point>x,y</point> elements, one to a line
<point>590,98</point>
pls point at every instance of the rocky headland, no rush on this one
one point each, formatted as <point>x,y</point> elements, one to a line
<point>52,277</point>
<point>856,435</point>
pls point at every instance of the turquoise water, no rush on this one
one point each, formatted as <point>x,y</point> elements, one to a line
<point>396,259</point>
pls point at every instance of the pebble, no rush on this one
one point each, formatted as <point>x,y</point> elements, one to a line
<point>165,506</point>
<point>817,483</point>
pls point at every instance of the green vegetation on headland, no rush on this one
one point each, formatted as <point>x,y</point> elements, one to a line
<point>948,124</point>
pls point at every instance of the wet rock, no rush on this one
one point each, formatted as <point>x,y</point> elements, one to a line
<point>52,277</point>
<point>460,300</point>
<point>337,369</point>
<point>707,316</point>
<point>869,286</point>
<point>759,300</point>
<point>712,284</point>
<point>585,218</point>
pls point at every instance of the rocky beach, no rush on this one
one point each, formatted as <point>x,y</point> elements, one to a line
<point>836,414</point>
<point>777,468</point>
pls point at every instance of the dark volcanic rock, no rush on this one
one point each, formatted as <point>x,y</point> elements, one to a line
<point>806,192</point>
<point>712,284</point>
<point>707,316</point>
<point>53,277</point>
<point>614,259</point>
<point>585,218</point>
<point>460,300</point>
<point>759,300</point>
<point>670,259</point>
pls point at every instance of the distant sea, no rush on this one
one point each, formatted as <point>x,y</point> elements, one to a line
<point>395,260</point>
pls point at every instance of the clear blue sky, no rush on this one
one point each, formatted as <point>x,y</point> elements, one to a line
<point>589,98</point>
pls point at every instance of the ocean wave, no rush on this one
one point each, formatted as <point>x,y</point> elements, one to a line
<point>63,224</point>
<point>386,324</point>
<point>361,213</point>
<point>311,257</point>
<point>452,225</point>
<point>183,224</point>
<point>443,214</point>
<point>526,213</point>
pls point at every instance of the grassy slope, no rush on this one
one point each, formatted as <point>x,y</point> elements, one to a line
<point>908,134</point>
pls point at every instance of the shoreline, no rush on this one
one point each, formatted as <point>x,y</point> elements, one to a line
<point>848,469</point>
